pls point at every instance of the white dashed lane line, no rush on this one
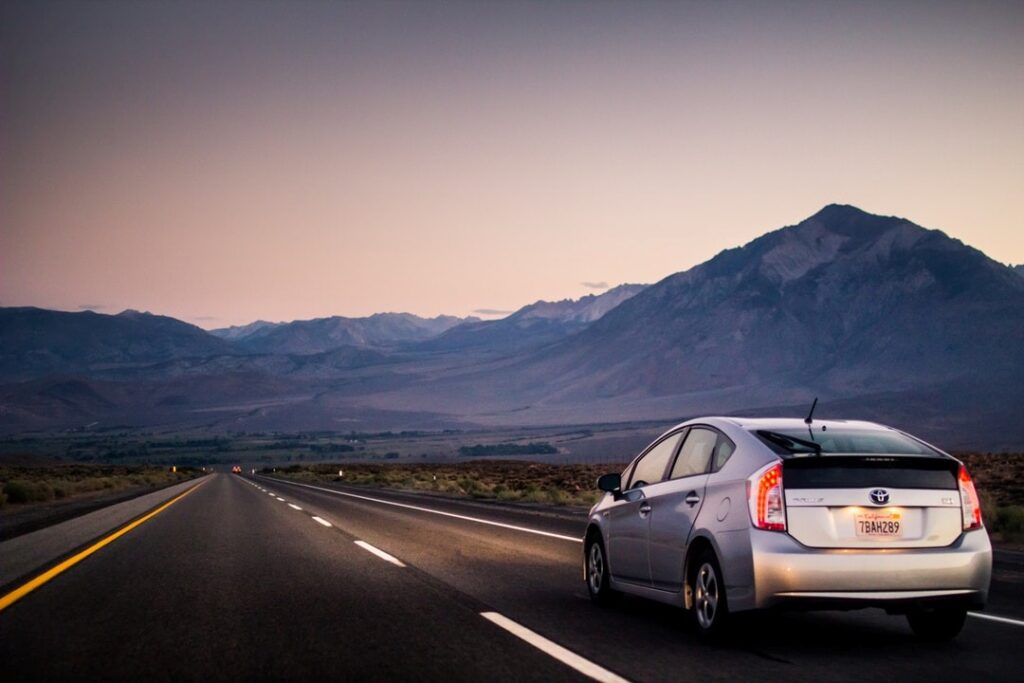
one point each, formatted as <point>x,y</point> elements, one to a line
<point>321,521</point>
<point>279,498</point>
<point>992,617</point>
<point>293,506</point>
<point>380,553</point>
<point>553,649</point>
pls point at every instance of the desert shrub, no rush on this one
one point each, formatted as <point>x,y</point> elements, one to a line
<point>556,496</point>
<point>20,491</point>
<point>1009,521</point>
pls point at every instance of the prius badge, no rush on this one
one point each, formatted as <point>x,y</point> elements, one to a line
<point>879,496</point>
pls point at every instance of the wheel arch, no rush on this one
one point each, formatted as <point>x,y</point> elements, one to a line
<point>594,532</point>
<point>698,544</point>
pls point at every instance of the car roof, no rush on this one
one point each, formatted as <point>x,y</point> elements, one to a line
<point>774,423</point>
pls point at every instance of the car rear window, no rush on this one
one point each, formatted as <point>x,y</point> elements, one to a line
<point>854,441</point>
<point>842,472</point>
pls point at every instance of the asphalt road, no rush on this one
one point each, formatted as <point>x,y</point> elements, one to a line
<point>232,582</point>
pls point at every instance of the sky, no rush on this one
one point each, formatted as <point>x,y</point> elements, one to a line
<point>223,162</point>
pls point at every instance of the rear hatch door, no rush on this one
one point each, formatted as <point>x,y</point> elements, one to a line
<point>872,501</point>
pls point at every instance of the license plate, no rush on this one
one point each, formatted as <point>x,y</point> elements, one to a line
<point>879,524</point>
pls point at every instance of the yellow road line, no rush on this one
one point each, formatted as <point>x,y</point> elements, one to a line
<point>23,590</point>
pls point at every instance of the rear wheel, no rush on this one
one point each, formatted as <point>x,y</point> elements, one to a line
<point>939,624</point>
<point>710,607</point>
<point>596,570</point>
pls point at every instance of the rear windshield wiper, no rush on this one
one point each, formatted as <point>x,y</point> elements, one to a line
<point>790,443</point>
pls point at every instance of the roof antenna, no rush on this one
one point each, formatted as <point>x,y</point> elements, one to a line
<point>809,419</point>
<point>810,416</point>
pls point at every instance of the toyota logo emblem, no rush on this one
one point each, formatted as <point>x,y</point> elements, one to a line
<point>879,496</point>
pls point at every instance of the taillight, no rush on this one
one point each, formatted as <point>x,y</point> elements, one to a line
<point>764,496</point>
<point>969,503</point>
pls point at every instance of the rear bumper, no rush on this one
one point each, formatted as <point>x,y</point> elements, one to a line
<point>789,574</point>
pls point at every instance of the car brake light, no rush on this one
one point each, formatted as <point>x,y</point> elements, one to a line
<point>764,497</point>
<point>969,502</point>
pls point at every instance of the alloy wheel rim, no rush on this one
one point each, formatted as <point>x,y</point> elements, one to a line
<point>707,595</point>
<point>595,568</point>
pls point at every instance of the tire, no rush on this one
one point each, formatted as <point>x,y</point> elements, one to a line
<point>710,604</point>
<point>595,570</point>
<point>937,625</point>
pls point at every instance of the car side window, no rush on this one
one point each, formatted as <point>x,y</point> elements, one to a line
<point>695,455</point>
<point>723,450</point>
<point>650,469</point>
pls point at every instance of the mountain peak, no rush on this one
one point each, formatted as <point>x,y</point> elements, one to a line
<point>840,211</point>
<point>850,221</point>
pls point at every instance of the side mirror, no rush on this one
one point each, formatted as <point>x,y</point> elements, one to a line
<point>610,482</point>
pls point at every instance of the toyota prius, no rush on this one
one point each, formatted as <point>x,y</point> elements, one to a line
<point>725,515</point>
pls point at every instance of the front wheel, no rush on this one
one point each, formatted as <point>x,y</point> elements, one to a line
<point>596,571</point>
<point>710,607</point>
<point>937,625</point>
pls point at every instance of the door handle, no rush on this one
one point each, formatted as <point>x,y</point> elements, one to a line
<point>692,498</point>
<point>645,509</point>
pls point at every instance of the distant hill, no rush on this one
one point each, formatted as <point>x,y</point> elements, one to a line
<point>35,342</point>
<point>1019,270</point>
<point>531,326</point>
<point>324,334</point>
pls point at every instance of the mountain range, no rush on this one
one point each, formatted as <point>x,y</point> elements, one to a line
<point>878,317</point>
<point>325,334</point>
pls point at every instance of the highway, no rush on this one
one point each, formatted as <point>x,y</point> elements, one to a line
<point>263,579</point>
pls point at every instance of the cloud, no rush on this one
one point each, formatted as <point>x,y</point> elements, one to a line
<point>491,311</point>
<point>91,307</point>
<point>595,285</point>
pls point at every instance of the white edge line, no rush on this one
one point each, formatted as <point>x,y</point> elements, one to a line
<point>380,553</point>
<point>992,617</point>
<point>567,657</point>
<point>478,520</point>
<point>321,521</point>
<point>293,506</point>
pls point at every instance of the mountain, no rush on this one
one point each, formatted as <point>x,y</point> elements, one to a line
<point>236,332</point>
<point>324,334</point>
<point>35,342</point>
<point>531,326</point>
<point>843,305</point>
<point>1019,270</point>
<point>582,311</point>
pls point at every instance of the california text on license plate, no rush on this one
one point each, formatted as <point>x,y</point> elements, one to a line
<point>879,524</point>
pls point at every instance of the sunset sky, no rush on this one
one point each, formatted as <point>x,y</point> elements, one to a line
<point>224,162</point>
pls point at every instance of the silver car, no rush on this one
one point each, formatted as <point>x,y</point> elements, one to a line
<point>723,515</point>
